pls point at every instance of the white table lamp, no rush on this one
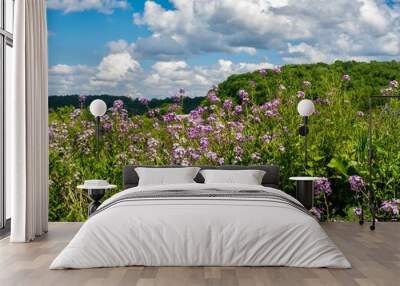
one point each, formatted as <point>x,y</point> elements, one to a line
<point>98,108</point>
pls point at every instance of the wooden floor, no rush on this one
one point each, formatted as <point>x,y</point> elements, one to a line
<point>375,257</point>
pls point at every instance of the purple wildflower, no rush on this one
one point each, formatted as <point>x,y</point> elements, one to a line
<point>221,161</point>
<point>256,156</point>
<point>266,106</point>
<point>118,104</point>
<point>322,101</point>
<point>277,70</point>
<point>356,183</point>
<point>194,154</point>
<point>301,94</point>
<point>152,142</point>
<point>176,98</point>
<point>212,156</point>
<point>271,113</point>
<point>151,113</point>
<point>276,103</point>
<point>107,126</point>
<point>360,114</point>
<point>357,211</point>
<point>211,118</point>
<point>204,142</point>
<point>238,150</point>
<point>194,114</point>
<point>206,128</point>
<point>171,116</point>
<point>387,91</point>
<point>212,96</point>
<point>244,96</point>
<point>219,126</point>
<point>316,212</point>
<point>322,185</point>
<point>237,159</point>
<point>239,137</point>
<point>228,104</point>
<point>238,109</point>
<point>143,100</point>
<point>263,72</point>
<point>391,206</point>
<point>178,152</point>
<point>346,77</point>
<point>75,113</point>
<point>82,98</point>
<point>267,138</point>
<point>255,109</point>
<point>394,84</point>
<point>193,133</point>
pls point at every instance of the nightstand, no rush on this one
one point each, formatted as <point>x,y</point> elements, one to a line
<point>95,193</point>
<point>305,190</point>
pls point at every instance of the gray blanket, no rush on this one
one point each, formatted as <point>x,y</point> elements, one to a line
<point>202,194</point>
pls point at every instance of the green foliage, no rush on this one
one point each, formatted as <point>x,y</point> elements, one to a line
<point>367,80</point>
<point>133,106</point>
<point>265,131</point>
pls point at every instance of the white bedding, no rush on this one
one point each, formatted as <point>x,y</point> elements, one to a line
<point>200,231</point>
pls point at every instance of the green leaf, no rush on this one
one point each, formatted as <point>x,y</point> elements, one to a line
<point>339,165</point>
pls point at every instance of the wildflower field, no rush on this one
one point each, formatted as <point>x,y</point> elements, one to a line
<point>249,119</point>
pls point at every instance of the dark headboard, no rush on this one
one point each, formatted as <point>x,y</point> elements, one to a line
<point>271,177</point>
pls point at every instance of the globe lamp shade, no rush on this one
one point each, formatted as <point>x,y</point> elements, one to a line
<point>98,107</point>
<point>306,107</point>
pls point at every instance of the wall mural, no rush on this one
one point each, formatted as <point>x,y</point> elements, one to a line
<point>169,112</point>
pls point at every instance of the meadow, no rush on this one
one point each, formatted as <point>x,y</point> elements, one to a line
<point>249,119</point>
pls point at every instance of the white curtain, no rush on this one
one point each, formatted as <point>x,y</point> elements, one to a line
<point>26,124</point>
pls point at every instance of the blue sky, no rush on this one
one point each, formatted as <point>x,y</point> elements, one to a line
<point>153,48</point>
<point>80,37</point>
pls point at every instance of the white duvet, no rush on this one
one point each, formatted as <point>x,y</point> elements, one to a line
<point>200,231</point>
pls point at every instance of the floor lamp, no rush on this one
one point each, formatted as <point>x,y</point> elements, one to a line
<point>98,108</point>
<point>305,108</point>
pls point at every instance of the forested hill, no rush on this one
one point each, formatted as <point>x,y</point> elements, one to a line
<point>132,105</point>
<point>366,79</point>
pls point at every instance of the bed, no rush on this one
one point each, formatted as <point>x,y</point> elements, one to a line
<point>198,224</point>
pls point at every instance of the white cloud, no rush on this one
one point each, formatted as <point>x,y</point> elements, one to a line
<point>102,6</point>
<point>115,67</point>
<point>118,46</point>
<point>301,30</point>
<point>373,16</point>
<point>113,75</point>
<point>120,74</point>
<point>61,69</point>
<point>168,76</point>
<point>303,53</point>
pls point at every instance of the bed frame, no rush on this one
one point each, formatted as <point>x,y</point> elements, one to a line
<point>270,179</point>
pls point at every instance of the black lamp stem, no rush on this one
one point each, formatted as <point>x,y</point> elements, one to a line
<point>97,136</point>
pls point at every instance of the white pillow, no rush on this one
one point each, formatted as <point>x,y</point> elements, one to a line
<point>166,176</point>
<point>248,177</point>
